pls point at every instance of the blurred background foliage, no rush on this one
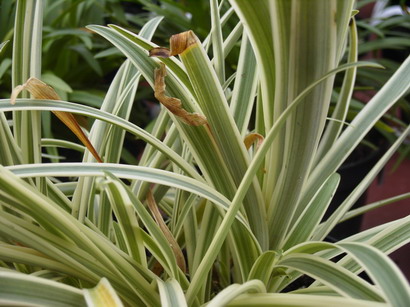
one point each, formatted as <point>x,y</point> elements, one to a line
<point>80,65</point>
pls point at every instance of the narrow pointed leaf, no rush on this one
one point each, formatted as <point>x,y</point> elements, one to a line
<point>332,275</point>
<point>291,300</point>
<point>397,86</point>
<point>305,225</point>
<point>127,220</point>
<point>383,272</point>
<point>230,293</point>
<point>263,266</point>
<point>25,290</point>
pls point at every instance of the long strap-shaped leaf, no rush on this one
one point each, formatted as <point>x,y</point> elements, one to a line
<point>327,226</point>
<point>21,289</point>
<point>386,238</point>
<point>312,52</point>
<point>255,17</point>
<point>128,172</point>
<point>66,254</point>
<point>121,194</point>
<point>23,104</point>
<point>27,63</point>
<point>9,153</point>
<point>291,300</point>
<point>398,84</point>
<point>383,272</point>
<point>334,128</point>
<point>127,220</point>
<point>377,204</point>
<point>30,256</point>
<point>307,222</point>
<point>329,273</point>
<point>217,41</point>
<point>244,90</point>
<point>171,293</point>
<point>230,293</point>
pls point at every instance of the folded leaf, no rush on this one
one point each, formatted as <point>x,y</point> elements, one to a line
<point>253,138</point>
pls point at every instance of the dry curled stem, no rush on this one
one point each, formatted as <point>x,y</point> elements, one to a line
<point>178,44</point>
<point>174,105</point>
<point>179,256</point>
<point>40,90</point>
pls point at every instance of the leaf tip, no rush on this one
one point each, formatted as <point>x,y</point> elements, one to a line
<point>14,94</point>
<point>178,44</point>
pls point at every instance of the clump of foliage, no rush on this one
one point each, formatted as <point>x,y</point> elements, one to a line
<point>226,204</point>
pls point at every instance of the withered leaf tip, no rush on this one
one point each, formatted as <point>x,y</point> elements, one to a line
<point>178,44</point>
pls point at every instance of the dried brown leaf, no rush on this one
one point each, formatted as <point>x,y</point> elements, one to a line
<point>41,90</point>
<point>174,105</point>
<point>253,138</point>
<point>182,41</point>
<point>160,52</point>
<point>178,44</point>
<point>179,256</point>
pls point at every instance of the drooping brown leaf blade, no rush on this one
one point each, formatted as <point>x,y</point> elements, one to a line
<point>179,256</point>
<point>41,90</point>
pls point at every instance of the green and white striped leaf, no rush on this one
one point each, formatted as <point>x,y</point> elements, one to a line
<point>397,86</point>
<point>102,295</point>
<point>327,226</point>
<point>263,266</point>
<point>128,172</point>
<point>27,63</point>
<point>382,271</point>
<point>305,225</point>
<point>341,280</point>
<point>230,293</point>
<point>287,299</point>
<point>17,289</point>
<point>125,214</point>
<point>23,104</point>
<point>120,193</point>
<point>171,293</point>
<point>61,224</point>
